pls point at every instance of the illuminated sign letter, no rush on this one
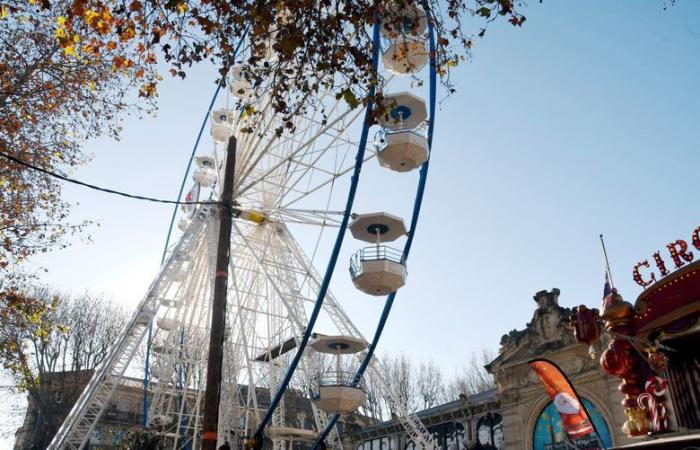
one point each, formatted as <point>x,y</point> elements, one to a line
<point>696,238</point>
<point>660,264</point>
<point>638,276</point>
<point>679,253</point>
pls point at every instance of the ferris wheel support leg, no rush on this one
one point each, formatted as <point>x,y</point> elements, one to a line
<point>81,420</point>
<point>210,422</point>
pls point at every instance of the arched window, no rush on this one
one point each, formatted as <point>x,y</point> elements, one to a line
<point>550,435</point>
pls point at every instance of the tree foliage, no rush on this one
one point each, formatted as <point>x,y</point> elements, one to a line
<point>59,85</point>
<point>89,327</point>
<point>69,69</point>
<point>23,319</point>
<point>293,49</point>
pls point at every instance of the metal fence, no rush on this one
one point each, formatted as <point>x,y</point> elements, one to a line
<point>374,253</point>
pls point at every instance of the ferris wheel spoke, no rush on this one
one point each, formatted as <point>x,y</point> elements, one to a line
<point>317,217</point>
<point>296,152</point>
<point>244,334</point>
<point>326,182</point>
<point>258,258</point>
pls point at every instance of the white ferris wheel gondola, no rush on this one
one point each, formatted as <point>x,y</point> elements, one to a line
<point>407,21</point>
<point>406,55</point>
<point>379,269</point>
<point>167,323</point>
<point>183,223</point>
<point>337,391</point>
<point>205,173</point>
<point>403,150</point>
<point>240,87</point>
<point>222,124</point>
<point>170,303</point>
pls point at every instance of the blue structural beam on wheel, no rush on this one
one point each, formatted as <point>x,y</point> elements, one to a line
<point>359,158</point>
<point>414,222</point>
<point>146,378</point>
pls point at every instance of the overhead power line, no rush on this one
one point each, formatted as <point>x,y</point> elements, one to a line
<point>99,188</point>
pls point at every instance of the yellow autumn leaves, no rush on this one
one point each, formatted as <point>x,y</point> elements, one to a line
<point>64,37</point>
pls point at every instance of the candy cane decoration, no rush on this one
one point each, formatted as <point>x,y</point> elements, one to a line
<point>652,402</point>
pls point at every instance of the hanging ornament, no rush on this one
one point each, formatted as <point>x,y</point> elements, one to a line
<point>586,324</point>
<point>657,360</point>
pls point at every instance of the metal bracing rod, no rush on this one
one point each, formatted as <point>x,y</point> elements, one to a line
<point>250,150</point>
<point>243,336</point>
<point>193,296</point>
<point>188,411</point>
<point>308,363</point>
<point>267,274</point>
<point>188,314</point>
<point>313,164</point>
<point>325,183</point>
<point>229,419</point>
<point>310,141</point>
<point>338,136</point>
<point>300,147</point>
<point>251,394</point>
<point>310,217</point>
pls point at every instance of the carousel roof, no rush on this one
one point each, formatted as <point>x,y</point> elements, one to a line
<point>673,301</point>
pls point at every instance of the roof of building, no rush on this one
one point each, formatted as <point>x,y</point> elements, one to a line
<point>439,410</point>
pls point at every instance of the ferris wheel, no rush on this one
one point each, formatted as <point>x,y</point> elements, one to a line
<point>272,354</point>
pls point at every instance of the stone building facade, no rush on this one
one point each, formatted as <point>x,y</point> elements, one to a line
<point>522,399</point>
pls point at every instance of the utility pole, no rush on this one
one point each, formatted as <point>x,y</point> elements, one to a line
<point>210,422</point>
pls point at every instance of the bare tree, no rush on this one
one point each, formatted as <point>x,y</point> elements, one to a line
<point>430,384</point>
<point>374,405</point>
<point>472,377</point>
<point>87,326</point>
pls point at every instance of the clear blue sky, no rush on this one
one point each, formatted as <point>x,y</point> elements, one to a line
<point>582,122</point>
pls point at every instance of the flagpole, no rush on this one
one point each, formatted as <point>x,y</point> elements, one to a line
<point>607,264</point>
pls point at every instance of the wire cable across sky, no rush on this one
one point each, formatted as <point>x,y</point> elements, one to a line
<point>98,188</point>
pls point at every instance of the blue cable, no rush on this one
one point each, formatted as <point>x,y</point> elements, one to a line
<point>414,222</point>
<point>359,157</point>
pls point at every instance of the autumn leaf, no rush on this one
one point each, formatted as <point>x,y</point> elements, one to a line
<point>350,98</point>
